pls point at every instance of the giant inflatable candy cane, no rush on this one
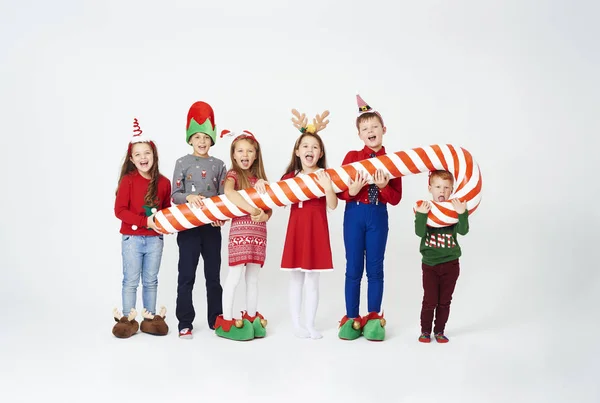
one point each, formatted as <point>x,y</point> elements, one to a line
<point>456,160</point>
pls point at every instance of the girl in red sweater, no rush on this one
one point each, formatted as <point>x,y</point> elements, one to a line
<point>141,192</point>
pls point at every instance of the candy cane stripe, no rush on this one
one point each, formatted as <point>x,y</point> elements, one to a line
<point>408,162</point>
<point>456,160</point>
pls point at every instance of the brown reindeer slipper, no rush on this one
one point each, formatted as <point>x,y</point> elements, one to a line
<point>155,324</point>
<point>126,326</point>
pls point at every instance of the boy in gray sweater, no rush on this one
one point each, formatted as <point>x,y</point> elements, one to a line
<point>198,176</point>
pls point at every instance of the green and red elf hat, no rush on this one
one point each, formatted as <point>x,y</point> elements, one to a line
<point>200,119</point>
<point>363,108</point>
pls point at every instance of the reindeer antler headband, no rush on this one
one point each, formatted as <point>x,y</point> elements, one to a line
<point>301,122</point>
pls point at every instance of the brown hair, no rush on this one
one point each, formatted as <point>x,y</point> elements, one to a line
<point>442,174</point>
<point>128,167</point>
<point>295,163</point>
<point>256,169</point>
<point>368,116</point>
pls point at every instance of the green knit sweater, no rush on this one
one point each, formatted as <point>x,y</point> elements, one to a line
<point>440,245</point>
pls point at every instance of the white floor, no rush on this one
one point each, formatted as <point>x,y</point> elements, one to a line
<point>522,329</point>
<point>71,359</point>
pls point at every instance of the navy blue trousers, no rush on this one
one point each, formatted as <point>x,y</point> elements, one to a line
<point>206,241</point>
<point>365,238</point>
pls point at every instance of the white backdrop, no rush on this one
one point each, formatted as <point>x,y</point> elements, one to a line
<point>514,82</point>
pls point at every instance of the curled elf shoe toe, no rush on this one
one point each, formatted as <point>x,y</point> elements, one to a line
<point>259,323</point>
<point>374,326</point>
<point>126,326</point>
<point>154,324</point>
<point>425,337</point>
<point>440,338</point>
<point>234,329</point>
<point>350,329</point>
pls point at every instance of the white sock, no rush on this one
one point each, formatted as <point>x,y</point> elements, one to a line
<point>312,302</point>
<point>296,283</point>
<point>252,270</point>
<point>233,279</point>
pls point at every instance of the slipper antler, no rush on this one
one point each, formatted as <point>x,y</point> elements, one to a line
<point>146,314</point>
<point>117,315</point>
<point>163,311</point>
<point>132,314</point>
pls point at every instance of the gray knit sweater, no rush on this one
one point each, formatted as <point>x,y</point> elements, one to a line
<point>199,176</point>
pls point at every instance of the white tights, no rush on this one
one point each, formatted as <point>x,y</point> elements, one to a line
<point>233,279</point>
<point>311,282</point>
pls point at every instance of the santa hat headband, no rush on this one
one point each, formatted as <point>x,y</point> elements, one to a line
<point>300,122</point>
<point>363,108</point>
<point>244,134</point>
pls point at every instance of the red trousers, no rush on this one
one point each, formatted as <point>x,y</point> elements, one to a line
<point>438,285</point>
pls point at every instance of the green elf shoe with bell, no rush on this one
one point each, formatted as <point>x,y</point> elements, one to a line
<point>259,323</point>
<point>234,329</point>
<point>350,329</point>
<point>374,326</point>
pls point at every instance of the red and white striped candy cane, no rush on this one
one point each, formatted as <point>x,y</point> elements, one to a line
<point>456,160</point>
<point>467,179</point>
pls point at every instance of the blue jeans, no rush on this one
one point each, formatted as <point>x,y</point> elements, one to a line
<point>365,239</point>
<point>141,258</point>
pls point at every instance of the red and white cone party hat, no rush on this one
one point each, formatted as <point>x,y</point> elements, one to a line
<point>363,108</point>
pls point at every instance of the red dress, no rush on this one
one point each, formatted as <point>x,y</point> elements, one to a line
<point>307,246</point>
<point>247,239</point>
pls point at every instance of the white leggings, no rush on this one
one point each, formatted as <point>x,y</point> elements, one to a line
<point>233,279</point>
<point>310,280</point>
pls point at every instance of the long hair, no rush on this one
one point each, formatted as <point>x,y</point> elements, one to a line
<point>256,169</point>
<point>128,167</point>
<point>296,164</point>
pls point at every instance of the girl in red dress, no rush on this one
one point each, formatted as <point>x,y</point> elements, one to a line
<point>307,250</point>
<point>247,241</point>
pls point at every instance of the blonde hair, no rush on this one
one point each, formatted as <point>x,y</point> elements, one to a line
<point>256,169</point>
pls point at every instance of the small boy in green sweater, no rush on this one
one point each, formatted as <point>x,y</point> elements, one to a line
<point>440,250</point>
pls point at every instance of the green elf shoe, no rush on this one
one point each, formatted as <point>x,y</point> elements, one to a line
<point>350,329</point>
<point>373,326</point>
<point>234,329</point>
<point>259,323</point>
